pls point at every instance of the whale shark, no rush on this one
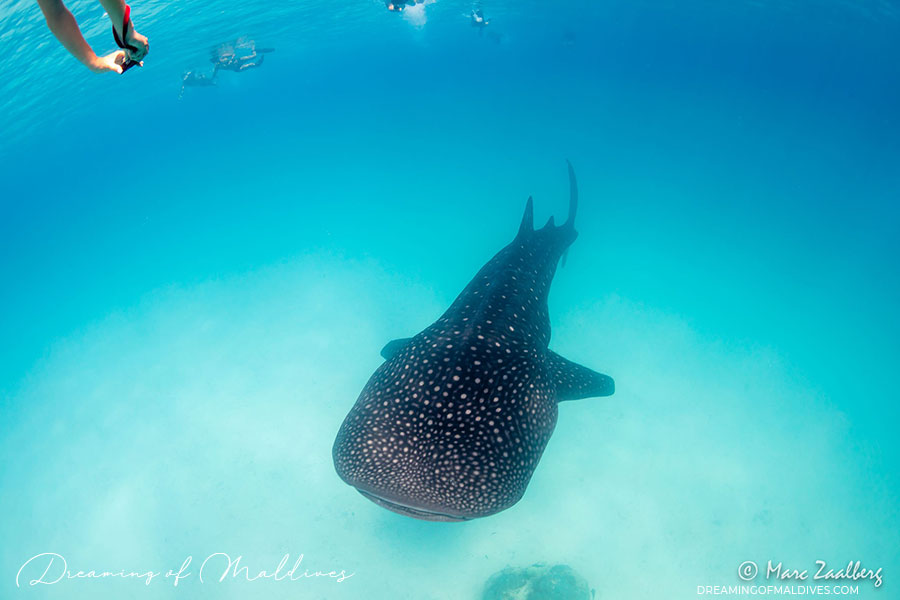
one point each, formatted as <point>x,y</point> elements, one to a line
<point>453,424</point>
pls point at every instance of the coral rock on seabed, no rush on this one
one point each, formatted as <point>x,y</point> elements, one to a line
<point>537,582</point>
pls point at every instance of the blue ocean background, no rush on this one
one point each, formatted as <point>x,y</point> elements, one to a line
<point>194,291</point>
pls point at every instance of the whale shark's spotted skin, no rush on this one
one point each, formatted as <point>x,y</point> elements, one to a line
<point>453,424</point>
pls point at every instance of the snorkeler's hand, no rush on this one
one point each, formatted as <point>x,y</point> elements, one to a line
<point>111,62</point>
<point>138,41</point>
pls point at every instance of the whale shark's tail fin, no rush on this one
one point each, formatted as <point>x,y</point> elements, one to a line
<point>573,206</point>
<point>573,197</point>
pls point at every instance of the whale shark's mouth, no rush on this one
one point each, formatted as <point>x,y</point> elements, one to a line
<point>409,511</point>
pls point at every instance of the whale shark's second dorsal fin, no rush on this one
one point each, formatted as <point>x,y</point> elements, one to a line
<point>574,382</point>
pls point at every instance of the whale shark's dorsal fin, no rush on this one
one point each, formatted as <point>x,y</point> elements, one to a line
<point>527,225</point>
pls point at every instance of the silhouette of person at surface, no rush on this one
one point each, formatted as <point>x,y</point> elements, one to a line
<point>237,56</point>
<point>400,5</point>
<point>478,19</point>
<point>195,79</point>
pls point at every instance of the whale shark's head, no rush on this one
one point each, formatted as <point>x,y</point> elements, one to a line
<point>446,434</point>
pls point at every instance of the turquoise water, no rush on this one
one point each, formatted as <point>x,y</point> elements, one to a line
<point>195,291</point>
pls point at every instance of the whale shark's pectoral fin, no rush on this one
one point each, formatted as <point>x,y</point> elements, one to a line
<point>391,349</point>
<point>574,382</point>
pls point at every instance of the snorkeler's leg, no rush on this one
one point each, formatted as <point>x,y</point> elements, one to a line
<point>249,65</point>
